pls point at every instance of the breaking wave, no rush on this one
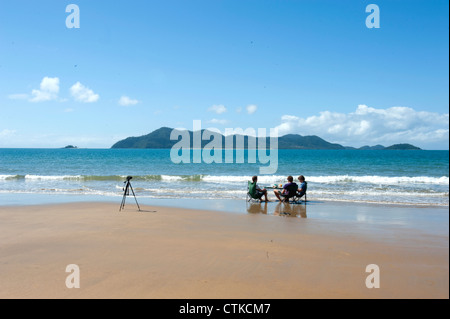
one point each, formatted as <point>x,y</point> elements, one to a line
<point>377,180</point>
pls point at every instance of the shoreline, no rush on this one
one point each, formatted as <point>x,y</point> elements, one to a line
<point>80,198</point>
<point>428,219</point>
<point>173,252</point>
<point>380,217</point>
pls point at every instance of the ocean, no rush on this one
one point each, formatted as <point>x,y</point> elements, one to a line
<point>383,176</point>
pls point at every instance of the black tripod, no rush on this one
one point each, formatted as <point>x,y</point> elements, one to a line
<point>127,193</point>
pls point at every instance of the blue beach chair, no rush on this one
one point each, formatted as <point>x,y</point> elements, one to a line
<point>298,195</point>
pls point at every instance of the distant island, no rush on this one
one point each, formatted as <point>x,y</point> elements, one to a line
<point>160,139</point>
<point>70,146</point>
<point>404,146</point>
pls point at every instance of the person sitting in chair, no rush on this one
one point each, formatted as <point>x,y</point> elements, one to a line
<point>303,186</point>
<point>256,192</point>
<point>288,191</point>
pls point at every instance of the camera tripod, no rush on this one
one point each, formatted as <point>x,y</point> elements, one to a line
<point>127,193</point>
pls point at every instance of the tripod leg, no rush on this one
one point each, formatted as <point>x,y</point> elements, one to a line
<point>135,198</point>
<point>122,205</point>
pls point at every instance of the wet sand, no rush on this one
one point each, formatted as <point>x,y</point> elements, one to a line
<point>165,252</point>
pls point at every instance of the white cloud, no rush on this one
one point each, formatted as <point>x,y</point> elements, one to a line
<point>18,96</point>
<point>126,101</point>
<point>83,94</point>
<point>48,90</point>
<point>370,126</point>
<point>251,108</point>
<point>5,133</point>
<point>219,109</point>
<point>217,121</point>
<point>239,110</point>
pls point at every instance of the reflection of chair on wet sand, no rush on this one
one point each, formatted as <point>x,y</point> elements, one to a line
<point>286,209</point>
<point>257,208</point>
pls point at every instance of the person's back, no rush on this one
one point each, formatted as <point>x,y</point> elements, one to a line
<point>255,191</point>
<point>303,186</point>
<point>291,188</point>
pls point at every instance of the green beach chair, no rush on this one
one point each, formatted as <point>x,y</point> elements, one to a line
<point>252,193</point>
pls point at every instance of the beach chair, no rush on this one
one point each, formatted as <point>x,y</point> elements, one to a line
<point>252,194</point>
<point>292,192</point>
<point>297,198</point>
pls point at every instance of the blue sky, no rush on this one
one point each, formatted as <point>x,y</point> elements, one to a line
<point>306,67</point>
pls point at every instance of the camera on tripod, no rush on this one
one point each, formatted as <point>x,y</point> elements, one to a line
<point>126,192</point>
<point>126,189</point>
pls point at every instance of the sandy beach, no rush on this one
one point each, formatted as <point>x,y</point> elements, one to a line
<point>165,252</point>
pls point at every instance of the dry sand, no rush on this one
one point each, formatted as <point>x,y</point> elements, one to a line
<point>179,253</point>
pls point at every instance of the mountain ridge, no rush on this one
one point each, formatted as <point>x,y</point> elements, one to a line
<point>160,139</point>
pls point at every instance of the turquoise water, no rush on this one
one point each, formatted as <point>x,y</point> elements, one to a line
<point>403,177</point>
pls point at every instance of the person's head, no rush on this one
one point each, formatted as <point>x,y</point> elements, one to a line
<point>301,178</point>
<point>290,179</point>
<point>255,179</point>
